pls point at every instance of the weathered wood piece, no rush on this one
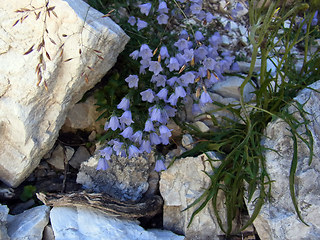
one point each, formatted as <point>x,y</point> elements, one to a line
<point>145,208</point>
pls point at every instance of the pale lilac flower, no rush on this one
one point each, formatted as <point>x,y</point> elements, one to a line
<point>133,151</point>
<point>137,137</point>
<point>180,92</point>
<point>132,81</point>
<point>173,99</point>
<point>106,153</point>
<point>195,8</point>
<point>162,18</point>
<point>147,95</point>
<point>126,118</point>
<point>148,127</point>
<point>145,63</point>
<point>102,164</point>
<point>134,55</point>
<point>117,147</point>
<point>172,80</point>
<point>184,34</point>
<point>315,19</point>
<point>145,146</point>
<point>164,52</point>
<point>165,131</point>
<point>145,51</point>
<point>209,63</point>
<point>200,53</point>
<point>188,55</point>
<point>171,112</point>
<point>181,44</point>
<point>209,17</point>
<point>198,36</point>
<point>124,104</point>
<point>127,132</point>
<point>155,67</point>
<point>205,98</point>
<point>154,139</point>
<point>187,78</point>
<point>163,7</point>
<point>145,8</point>
<point>141,24</point>
<point>113,123</point>
<point>132,20</point>
<point>160,80</point>
<point>164,117</point>
<point>227,27</point>
<point>235,67</point>
<point>215,39</point>
<point>155,114</point>
<point>196,110</point>
<point>162,94</point>
<point>173,64</point>
<point>160,166</point>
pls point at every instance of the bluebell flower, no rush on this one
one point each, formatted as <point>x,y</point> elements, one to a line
<point>155,114</point>
<point>209,63</point>
<point>172,80</point>
<point>148,127</point>
<point>160,80</point>
<point>198,36</point>
<point>126,118</point>
<point>124,104</point>
<point>133,151</point>
<point>188,55</point>
<point>145,63</point>
<point>164,117</point>
<point>145,146</point>
<point>173,64</point>
<point>137,137</point>
<point>187,78</point>
<point>162,18</point>
<point>134,55</point>
<point>173,99</point>
<point>155,67</point>
<point>145,8</point>
<point>160,166</point>
<point>196,110</point>
<point>215,40</point>
<point>162,94</point>
<point>181,44</point>
<point>164,52</point>
<point>147,95</point>
<point>201,52</point>
<point>163,7</point>
<point>165,131</point>
<point>183,34</point>
<point>154,139</point>
<point>171,112</point>
<point>180,92</point>
<point>117,146</point>
<point>235,67</point>
<point>195,8</point>
<point>315,19</point>
<point>227,27</point>
<point>141,24</point>
<point>209,17</point>
<point>102,164</point>
<point>145,52</point>
<point>132,20</point>
<point>132,81</point>
<point>113,123</point>
<point>205,98</point>
<point>127,132</point>
<point>106,153</point>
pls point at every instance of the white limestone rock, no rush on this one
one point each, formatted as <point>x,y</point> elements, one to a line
<point>4,210</point>
<point>58,156</point>
<point>89,224</point>
<point>29,224</point>
<point>30,116</point>
<point>278,219</point>
<point>230,88</point>
<point>182,184</point>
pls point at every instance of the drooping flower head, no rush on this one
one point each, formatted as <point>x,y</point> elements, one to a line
<point>145,8</point>
<point>160,166</point>
<point>124,104</point>
<point>141,24</point>
<point>126,118</point>
<point>113,123</point>
<point>132,81</point>
<point>102,164</point>
<point>147,95</point>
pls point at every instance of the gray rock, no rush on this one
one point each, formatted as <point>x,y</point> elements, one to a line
<point>58,156</point>
<point>31,116</point>
<point>28,225</point>
<point>230,88</point>
<point>278,219</point>
<point>89,224</point>
<point>81,155</point>
<point>201,126</point>
<point>181,185</point>
<point>125,179</point>
<point>4,210</point>
<point>48,233</point>
<point>187,141</point>
<point>245,66</point>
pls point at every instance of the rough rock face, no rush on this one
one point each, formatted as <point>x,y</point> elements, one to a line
<point>88,224</point>
<point>73,47</point>
<point>182,184</point>
<point>125,179</point>
<point>278,219</point>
